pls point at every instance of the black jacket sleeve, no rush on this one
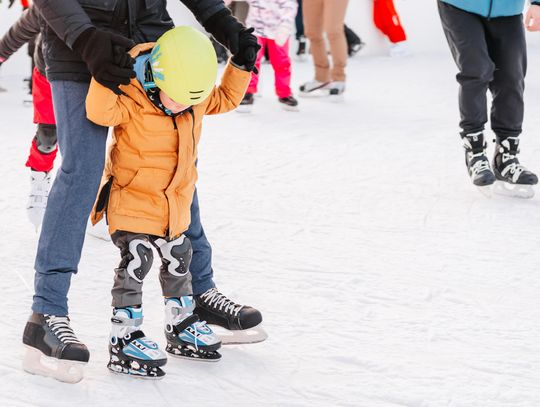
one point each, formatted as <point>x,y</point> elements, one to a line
<point>204,9</point>
<point>24,29</point>
<point>66,17</point>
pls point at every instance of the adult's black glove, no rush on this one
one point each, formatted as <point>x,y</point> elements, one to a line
<point>248,47</point>
<point>225,29</point>
<point>105,54</point>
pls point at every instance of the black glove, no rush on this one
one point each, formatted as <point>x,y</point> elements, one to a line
<point>225,29</point>
<point>105,54</point>
<point>248,47</point>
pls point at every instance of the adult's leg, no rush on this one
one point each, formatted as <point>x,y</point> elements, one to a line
<point>299,21</point>
<point>334,19</point>
<point>313,26</point>
<point>281,62</point>
<point>201,261</point>
<point>466,37</point>
<point>253,84</point>
<point>508,49</point>
<point>82,144</point>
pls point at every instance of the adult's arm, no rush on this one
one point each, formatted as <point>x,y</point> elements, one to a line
<point>24,29</point>
<point>66,17</point>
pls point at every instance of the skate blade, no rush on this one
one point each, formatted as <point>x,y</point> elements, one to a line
<point>193,354</point>
<point>126,372</point>
<point>486,190</point>
<point>244,109</point>
<point>514,190</point>
<point>337,98</point>
<point>319,93</point>
<point>240,337</point>
<point>290,108</point>
<point>37,363</point>
<point>35,216</point>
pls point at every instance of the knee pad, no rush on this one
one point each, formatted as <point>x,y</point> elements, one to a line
<point>176,255</point>
<point>140,259</point>
<point>46,138</point>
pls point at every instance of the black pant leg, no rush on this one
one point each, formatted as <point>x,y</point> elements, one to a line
<point>466,36</point>
<point>508,50</point>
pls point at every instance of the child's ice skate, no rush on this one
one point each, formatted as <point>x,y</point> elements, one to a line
<point>187,336</point>
<point>236,324</point>
<point>289,103</point>
<point>53,350</point>
<point>131,352</point>
<point>40,184</point>
<point>513,178</point>
<point>477,162</point>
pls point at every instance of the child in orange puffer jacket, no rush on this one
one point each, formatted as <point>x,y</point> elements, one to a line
<point>148,187</point>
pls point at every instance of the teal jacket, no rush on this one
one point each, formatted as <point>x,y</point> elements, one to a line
<point>491,8</point>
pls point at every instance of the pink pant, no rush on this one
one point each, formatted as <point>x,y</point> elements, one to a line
<point>279,58</point>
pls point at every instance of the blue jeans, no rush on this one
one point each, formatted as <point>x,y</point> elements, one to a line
<point>82,145</point>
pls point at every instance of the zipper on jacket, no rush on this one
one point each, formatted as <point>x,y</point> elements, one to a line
<point>490,9</point>
<point>192,130</point>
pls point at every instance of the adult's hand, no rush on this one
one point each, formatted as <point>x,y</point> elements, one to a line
<point>248,47</point>
<point>532,18</point>
<point>225,29</point>
<point>105,54</point>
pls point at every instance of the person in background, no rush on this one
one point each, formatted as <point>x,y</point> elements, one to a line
<point>387,20</point>
<point>320,17</point>
<point>487,41</point>
<point>273,21</point>
<point>44,144</point>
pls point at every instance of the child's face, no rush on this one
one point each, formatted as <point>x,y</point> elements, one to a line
<point>171,104</point>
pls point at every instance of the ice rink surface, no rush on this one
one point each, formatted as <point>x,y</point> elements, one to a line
<point>384,278</point>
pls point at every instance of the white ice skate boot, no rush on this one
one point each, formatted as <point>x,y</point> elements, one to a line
<point>40,184</point>
<point>53,350</point>
<point>314,88</point>
<point>233,323</point>
<point>187,336</point>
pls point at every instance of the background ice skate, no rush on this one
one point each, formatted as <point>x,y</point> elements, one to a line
<point>385,279</point>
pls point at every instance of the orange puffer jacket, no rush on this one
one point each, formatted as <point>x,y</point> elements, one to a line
<point>150,174</point>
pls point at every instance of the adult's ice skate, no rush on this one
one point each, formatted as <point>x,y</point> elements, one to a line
<point>53,350</point>
<point>236,324</point>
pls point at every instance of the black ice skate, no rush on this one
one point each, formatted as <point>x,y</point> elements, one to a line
<point>53,350</point>
<point>302,47</point>
<point>131,352</point>
<point>246,104</point>
<point>515,179</point>
<point>187,336</point>
<point>289,103</point>
<point>476,159</point>
<point>239,323</point>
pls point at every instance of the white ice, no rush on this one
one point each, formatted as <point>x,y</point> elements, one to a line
<point>384,277</point>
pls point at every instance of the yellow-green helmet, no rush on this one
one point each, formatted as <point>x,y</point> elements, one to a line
<point>184,65</point>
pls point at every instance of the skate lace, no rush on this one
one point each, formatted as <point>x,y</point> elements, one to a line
<point>217,300</point>
<point>479,166</point>
<point>61,329</point>
<point>515,168</point>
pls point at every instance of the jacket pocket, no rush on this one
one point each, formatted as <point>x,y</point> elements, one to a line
<point>144,196</point>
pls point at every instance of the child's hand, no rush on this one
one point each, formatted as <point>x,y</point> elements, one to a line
<point>532,19</point>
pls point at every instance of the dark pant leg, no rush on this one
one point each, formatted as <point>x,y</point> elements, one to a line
<point>137,257</point>
<point>466,36</point>
<point>174,274</point>
<point>201,262</point>
<point>508,49</point>
<point>299,21</point>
